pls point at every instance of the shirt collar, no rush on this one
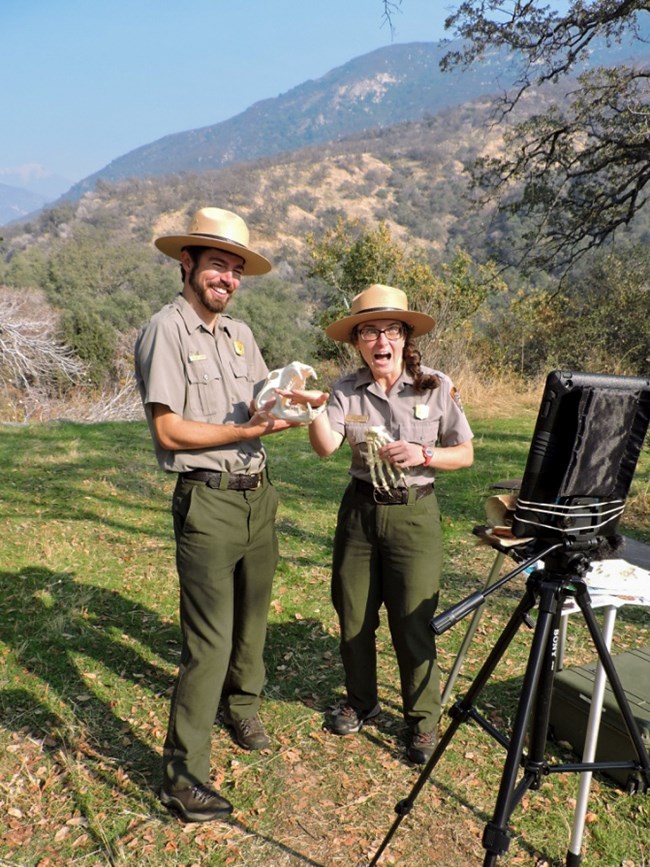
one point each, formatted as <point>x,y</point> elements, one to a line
<point>193,321</point>
<point>190,317</point>
<point>364,378</point>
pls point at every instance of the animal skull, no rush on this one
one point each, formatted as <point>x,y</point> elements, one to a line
<point>293,376</point>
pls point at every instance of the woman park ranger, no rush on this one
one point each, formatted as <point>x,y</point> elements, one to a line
<point>403,422</point>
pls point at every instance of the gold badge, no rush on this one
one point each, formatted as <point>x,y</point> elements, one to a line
<point>239,347</point>
<point>421,411</point>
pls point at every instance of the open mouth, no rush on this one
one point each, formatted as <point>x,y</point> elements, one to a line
<point>219,291</point>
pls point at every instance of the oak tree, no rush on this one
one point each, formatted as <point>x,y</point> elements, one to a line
<point>579,170</point>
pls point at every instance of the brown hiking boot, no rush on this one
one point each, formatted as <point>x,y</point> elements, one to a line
<point>197,803</point>
<point>348,720</point>
<point>249,733</point>
<point>422,746</point>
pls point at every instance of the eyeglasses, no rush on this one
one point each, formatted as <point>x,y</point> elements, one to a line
<point>369,333</point>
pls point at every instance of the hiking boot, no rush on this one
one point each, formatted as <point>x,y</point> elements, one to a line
<point>422,746</point>
<point>195,803</point>
<point>249,732</point>
<point>348,720</point>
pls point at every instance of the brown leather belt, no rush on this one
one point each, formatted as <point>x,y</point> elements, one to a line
<point>225,481</point>
<point>392,496</point>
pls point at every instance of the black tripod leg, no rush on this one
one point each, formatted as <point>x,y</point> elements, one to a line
<point>496,837</point>
<point>459,713</point>
<point>541,714</point>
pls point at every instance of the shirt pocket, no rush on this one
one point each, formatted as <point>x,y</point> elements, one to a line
<point>422,431</point>
<point>204,392</point>
<point>356,433</point>
<point>241,370</point>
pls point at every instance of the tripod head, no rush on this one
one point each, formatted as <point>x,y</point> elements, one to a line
<point>567,558</point>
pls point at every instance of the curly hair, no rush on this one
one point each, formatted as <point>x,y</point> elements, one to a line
<point>412,362</point>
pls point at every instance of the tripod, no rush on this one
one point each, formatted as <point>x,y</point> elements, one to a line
<point>564,565</point>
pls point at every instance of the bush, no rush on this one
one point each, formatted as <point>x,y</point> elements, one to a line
<point>92,340</point>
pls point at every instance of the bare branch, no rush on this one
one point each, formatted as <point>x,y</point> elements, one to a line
<point>580,170</point>
<point>390,9</point>
<point>30,354</point>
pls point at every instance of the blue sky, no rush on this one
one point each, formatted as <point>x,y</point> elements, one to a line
<point>86,81</point>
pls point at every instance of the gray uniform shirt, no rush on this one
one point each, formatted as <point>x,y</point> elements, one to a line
<point>202,377</point>
<point>427,418</point>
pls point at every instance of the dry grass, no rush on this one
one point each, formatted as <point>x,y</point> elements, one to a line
<point>499,398</point>
<point>89,643</point>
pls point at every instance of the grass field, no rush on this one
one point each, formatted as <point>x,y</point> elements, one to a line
<point>89,642</point>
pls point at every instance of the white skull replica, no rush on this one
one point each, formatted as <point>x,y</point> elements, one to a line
<point>293,376</point>
<point>382,473</point>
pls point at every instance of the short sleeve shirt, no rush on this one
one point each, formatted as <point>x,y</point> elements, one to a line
<point>203,377</point>
<point>432,417</point>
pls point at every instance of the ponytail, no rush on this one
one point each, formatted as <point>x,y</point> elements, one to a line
<point>412,362</point>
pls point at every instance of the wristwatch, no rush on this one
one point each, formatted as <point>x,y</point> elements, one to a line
<point>428,455</point>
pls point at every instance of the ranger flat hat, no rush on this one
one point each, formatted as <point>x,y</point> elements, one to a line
<point>214,227</point>
<point>379,302</point>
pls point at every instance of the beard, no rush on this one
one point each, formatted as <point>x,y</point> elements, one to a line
<point>204,295</point>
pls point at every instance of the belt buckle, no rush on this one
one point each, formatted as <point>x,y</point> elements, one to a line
<point>250,482</point>
<point>387,496</point>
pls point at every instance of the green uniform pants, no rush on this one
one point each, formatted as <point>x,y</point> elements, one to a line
<point>391,555</point>
<point>226,554</point>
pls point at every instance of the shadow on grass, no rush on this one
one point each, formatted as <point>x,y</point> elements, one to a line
<point>418,793</point>
<point>57,630</point>
<point>434,777</point>
<point>80,473</point>
<point>303,663</point>
<point>291,532</point>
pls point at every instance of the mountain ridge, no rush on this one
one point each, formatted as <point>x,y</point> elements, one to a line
<point>390,85</point>
<point>386,86</point>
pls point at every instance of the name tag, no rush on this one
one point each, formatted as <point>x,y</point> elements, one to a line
<point>356,419</point>
<point>197,356</point>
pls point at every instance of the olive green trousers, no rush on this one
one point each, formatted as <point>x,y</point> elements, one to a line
<point>226,554</point>
<point>390,555</point>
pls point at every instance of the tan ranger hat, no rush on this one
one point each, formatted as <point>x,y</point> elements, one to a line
<point>379,302</point>
<point>214,227</point>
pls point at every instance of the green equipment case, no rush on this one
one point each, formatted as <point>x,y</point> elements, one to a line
<point>571,703</point>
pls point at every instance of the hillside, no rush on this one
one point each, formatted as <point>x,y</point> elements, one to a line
<point>388,86</point>
<point>410,175</point>
<point>385,87</point>
<point>96,264</point>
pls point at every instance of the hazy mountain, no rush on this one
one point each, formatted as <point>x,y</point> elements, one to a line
<point>387,86</point>
<point>16,202</point>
